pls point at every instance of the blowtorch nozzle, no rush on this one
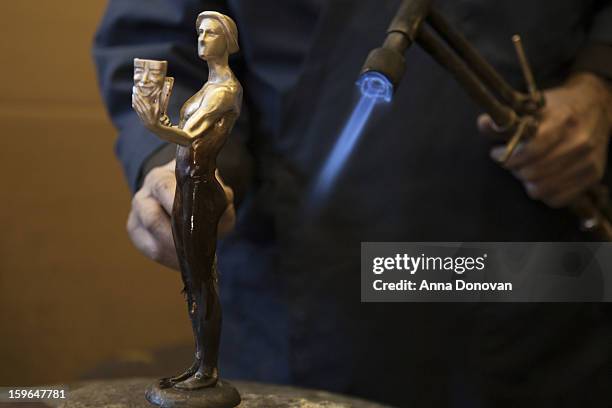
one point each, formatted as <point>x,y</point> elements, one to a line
<point>388,60</point>
<point>376,86</point>
<point>385,62</point>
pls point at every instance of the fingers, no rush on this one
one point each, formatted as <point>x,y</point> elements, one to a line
<point>138,106</point>
<point>149,225</point>
<point>484,123</point>
<point>229,192</point>
<point>556,161</point>
<point>152,217</point>
<point>141,238</point>
<point>142,110</point>
<point>488,127</point>
<point>557,176</point>
<point>150,230</point>
<point>147,110</point>
<point>149,222</point>
<point>568,153</point>
<point>161,183</point>
<point>228,219</point>
<point>560,189</point>
<point>557,124</point>
<point>548,137</point>
<point>138,103</point>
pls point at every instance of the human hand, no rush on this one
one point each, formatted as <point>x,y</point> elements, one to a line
<point>149,224</point>
<point>569,152</point>
<point>148,108</point>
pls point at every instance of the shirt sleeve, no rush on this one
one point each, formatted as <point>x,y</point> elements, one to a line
<point>596,55</point>
<point>149,29</point>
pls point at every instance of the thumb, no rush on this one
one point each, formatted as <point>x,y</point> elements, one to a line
<point>487,126</point>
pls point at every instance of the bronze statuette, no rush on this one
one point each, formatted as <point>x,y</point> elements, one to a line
<point>206,120</point>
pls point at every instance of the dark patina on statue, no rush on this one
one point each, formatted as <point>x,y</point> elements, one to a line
<point>206,120</point>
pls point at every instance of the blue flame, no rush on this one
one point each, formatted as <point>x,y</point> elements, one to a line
<point>375,88</point>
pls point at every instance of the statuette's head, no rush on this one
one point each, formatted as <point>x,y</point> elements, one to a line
<point>149,76</point>
<point>217,35</point>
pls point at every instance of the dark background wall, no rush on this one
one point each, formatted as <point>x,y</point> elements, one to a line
<point>74,293</point>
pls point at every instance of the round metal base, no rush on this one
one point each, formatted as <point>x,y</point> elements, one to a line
<point>128,393</point>
<point>222,395</point>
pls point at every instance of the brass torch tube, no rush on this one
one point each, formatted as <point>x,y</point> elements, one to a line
<point>408,18</point>
<point>501,114</point>
<point>473,59</point>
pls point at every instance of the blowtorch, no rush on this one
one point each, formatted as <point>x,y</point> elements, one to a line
<point>515,113</point>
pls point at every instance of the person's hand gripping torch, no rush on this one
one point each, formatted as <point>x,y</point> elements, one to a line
<point>514,113</point>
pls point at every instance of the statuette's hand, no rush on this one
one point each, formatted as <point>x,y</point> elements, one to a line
<point>165,120</point>
<point>569,152</point>
<point>147,108</point>
<point>149,220</point>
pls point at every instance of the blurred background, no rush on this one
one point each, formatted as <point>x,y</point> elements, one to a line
<point>75,296</point>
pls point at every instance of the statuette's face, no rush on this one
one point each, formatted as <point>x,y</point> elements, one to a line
<point>211,39</point>
<point>149,76</point>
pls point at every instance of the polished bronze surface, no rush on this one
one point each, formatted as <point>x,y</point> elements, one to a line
<point>206,120</point>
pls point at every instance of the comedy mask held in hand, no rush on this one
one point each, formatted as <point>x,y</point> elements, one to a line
<point>150,82</point>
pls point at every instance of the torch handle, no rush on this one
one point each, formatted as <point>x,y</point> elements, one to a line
<point>516,112</point>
